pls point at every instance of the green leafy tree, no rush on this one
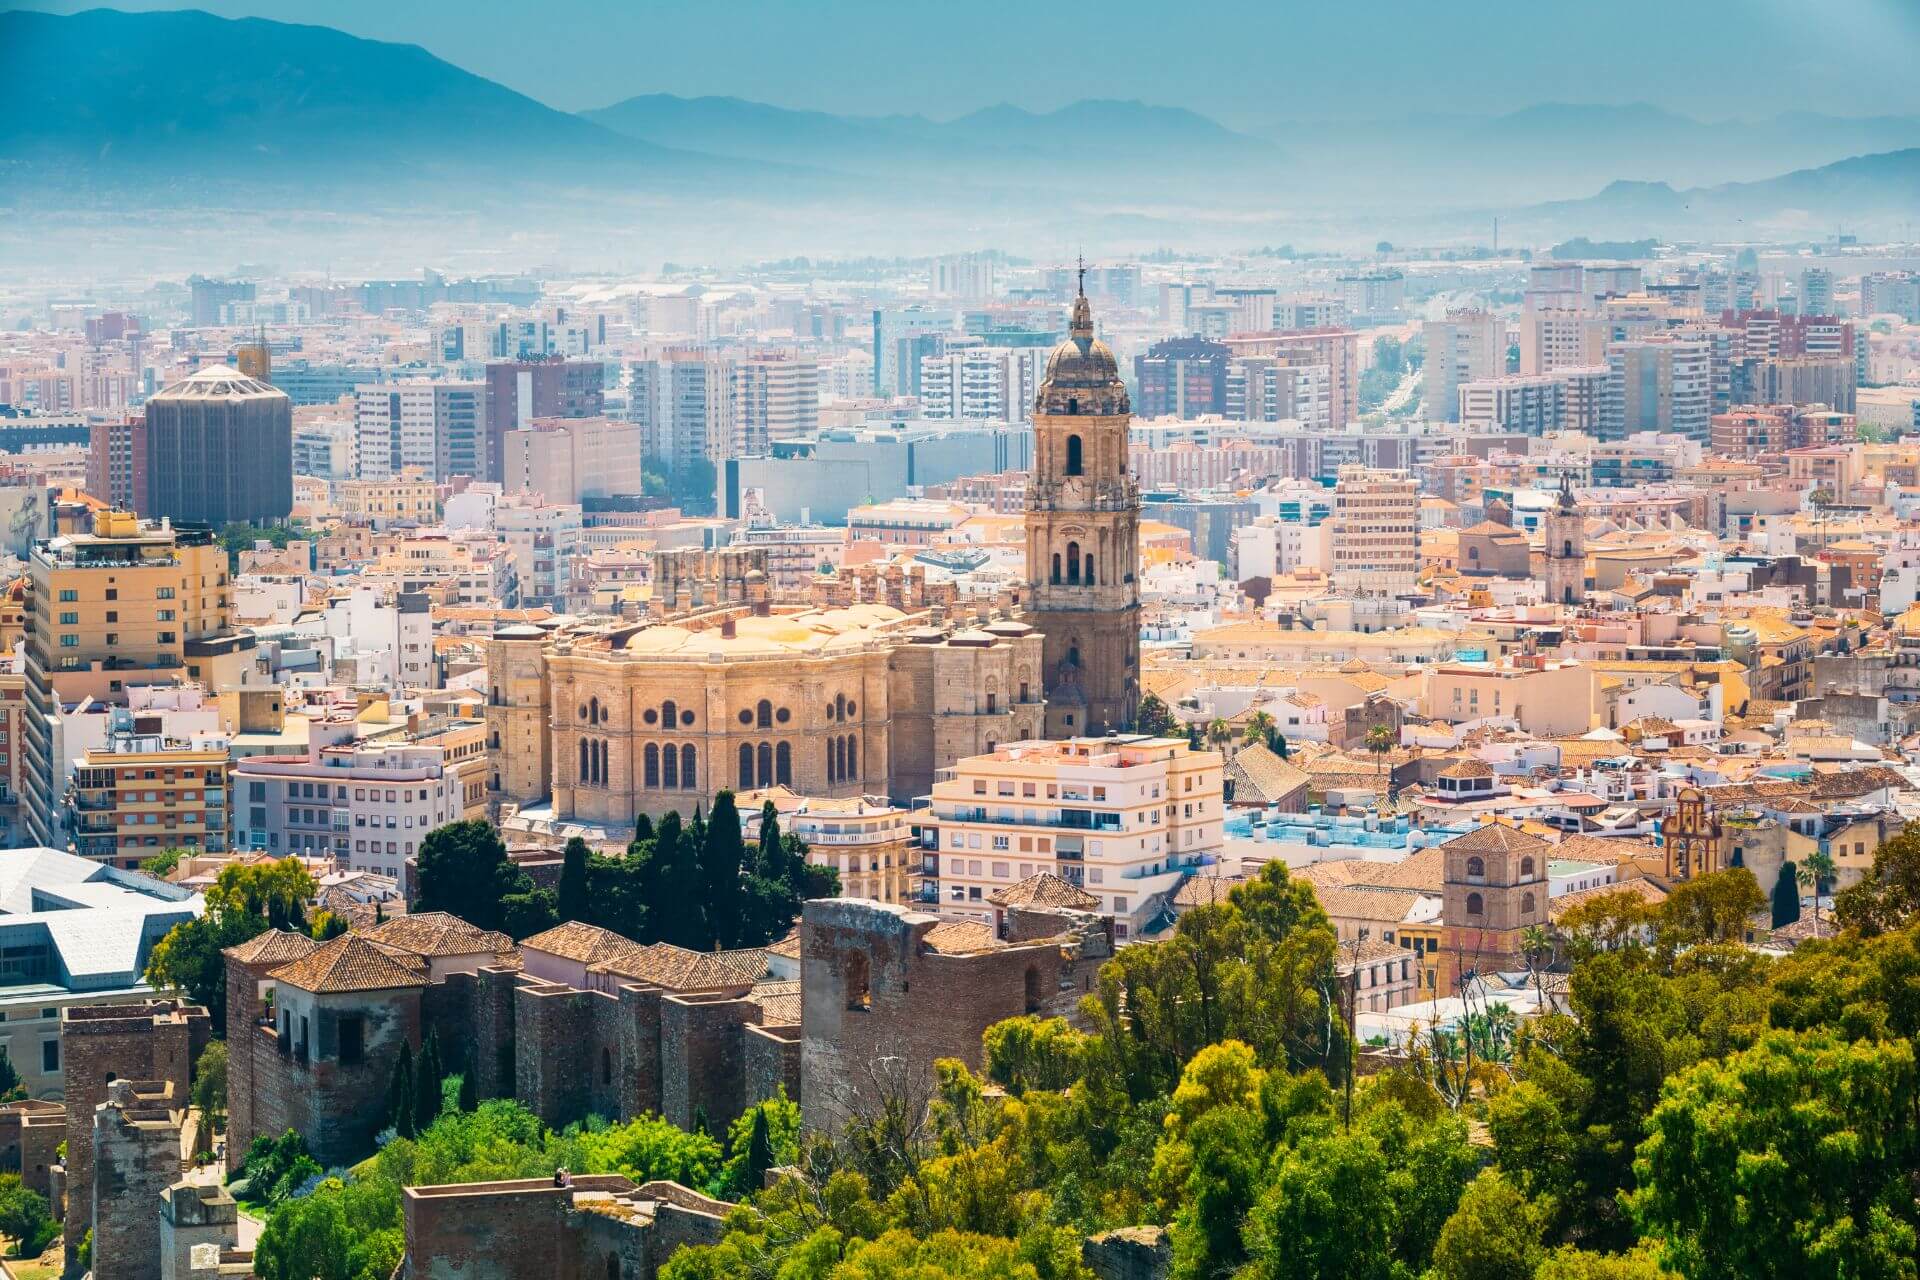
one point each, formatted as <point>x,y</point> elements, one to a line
<point>162,864</point>
<point>573,900</point>
<point>469,1091</point>
<point>210,1085</point>
<point>25,1218</point>
<point>1792,1158</point>
<point>1890,897</point>
<point>464,870</point>
<point>1156,718</point>
<point>1259,725</point>
<point>1709,909</point>
<point>190,959</point>
<point>1493,1235</point>
<point>766,1135</point>
<point>11,1090</point>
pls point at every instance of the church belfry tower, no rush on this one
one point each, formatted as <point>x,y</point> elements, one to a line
<point>1565,533</point>
<point>1083,537</point>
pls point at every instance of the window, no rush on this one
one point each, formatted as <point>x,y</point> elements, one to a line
<point>1074,459</point>
<point>68,595</point>
<point>688,769</point>
<point>746,763</point>
<point>859,992</point>
<point>763,714</point>
<point>49,1056</point>
<point>1526,904</point>
<point>1475,905</point>
<point>1526,868</point>
<point>1476,868</point>
<point>69,619</point>
<point>782,764</point>
<point>353,1039</point>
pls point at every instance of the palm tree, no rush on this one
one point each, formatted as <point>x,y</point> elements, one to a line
<point>1380,742</point>
<point>1536,942</point>
<point>1815,869</point>
<point>1219,732</point>
<point>1259,725</point>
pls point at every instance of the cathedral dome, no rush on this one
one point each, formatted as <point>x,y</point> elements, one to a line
<point>1082,375</point>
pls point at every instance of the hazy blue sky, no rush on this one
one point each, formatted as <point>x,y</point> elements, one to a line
<point>1243,61</point>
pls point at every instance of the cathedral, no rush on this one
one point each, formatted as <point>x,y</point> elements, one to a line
<point>1083,538</point>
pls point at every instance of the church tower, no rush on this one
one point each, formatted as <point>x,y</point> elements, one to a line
<point>1565,534</point>
<point>1083,537</point>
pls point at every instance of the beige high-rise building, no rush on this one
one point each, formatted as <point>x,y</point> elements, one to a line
<point>1555,339</point>
<point>1374,532</point>
<point>775,397</point>
<point>1467,346</point>
<point>567,459</point>
<point>132,603</point>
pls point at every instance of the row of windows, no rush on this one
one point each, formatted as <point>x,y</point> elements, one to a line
<point>670,766</point>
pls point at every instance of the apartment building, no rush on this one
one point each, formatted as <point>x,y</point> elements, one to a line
<point>776,397</point>
<point>1337,349</point>
<point>1553,339</point>
<point>408,496</point>
<point>143,792</point>
<point>1127,819</point>
<point>981,383</point>
<point>435,428</point>
<point>544,540</point>
<point>567,459</point>
<point>1374,532</point>
<point>132,603</point>
<point>367,804</point>
<point>1467,346</point>
<point>1542,695</point>
<point>1657,384</point>
<point>868,840</point>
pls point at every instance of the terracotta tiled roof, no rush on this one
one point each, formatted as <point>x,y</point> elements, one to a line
<point>959,937</point>
<point>349,963</point>
<point>1385,906</point>
<point>1205,891</point>
<point>1260,776</point>
<point>787,948</point>
<point>1497,837</point>
<point>779,1003</point>
<point>583,943</point>
<point>274,947</point>
<point>1044,889</point>
<point>1646,890</point>
<point>436,933</point>
<point>1470,767</point>
<point>678,969</point>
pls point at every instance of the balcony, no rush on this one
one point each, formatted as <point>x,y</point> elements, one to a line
<point>1067,819</point>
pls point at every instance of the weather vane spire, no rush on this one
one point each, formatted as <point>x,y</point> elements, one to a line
<point>1082,260</point>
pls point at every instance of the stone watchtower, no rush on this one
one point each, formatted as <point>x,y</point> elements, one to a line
<point>1495,887</point>
<point>1565,539</point>
<point>1083,537</point>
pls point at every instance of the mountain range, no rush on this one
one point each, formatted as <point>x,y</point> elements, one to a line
<point>131,113</point>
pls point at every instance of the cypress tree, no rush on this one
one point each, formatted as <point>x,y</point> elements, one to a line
<point>721,854</point>
<point>770,858</point>
<point>573,899</point>
<point>1786,896</point>
<point>400,1099</point>
<point>428,1091</point>
<point>759,1152</point>
<point>642,830</point>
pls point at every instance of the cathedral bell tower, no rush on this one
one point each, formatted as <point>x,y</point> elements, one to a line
<point>1083,538</point>
<point>1565,533</point>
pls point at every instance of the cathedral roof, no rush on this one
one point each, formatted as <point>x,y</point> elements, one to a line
<point>1083,364</point>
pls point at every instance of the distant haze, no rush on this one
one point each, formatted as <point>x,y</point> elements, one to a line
<point>1247,63</point>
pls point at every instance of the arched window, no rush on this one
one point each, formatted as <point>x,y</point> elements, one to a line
<point>853,755</point>
<point>650,765</point>
<point>1474,905</point>
<point>1089,568</point>
<point>1073,654</point>
<point>783,764</point>
<point>833,761</point>
<point>1566,548</point>
<point>1476,867</point>
<point>764,758</point>
<point>1073,562</point>
<point>1056,568</point>
<point>859,992</point>
<point>669,714</point>
<point>1526,868</point>
<point>586,765</point>
<point>1074,460</point>
<point>1033,988</point>
<point>840,706</point>
<point>763,714</point>
<point>688,770</point>
<point>746,765</point>
<point>670,767</point>
<point>593,711</point>
<point>1473,553</point>
<point>1526,904</point>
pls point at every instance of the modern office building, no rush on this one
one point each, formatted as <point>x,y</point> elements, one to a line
<point>1182,378</point>
<point>219,450</point>
<point>900,337</point>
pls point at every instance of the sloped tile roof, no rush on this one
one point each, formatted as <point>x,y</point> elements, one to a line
<point>1044,889</point>
<point>584,943</point>
<point>1497,837</point>
<point>274,947</point>
<point>349,963</point>
<point>436,933</point>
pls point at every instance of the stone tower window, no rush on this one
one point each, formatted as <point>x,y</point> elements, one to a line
<point>1476,868</point>
<point>1526,868</point>
<point>688,768</point>
<point>763,714</point>
<point>859,991</point>
<point>1075,463</point>
<point>782,764</point>
<point>1526,904</point>
<point>1475,905</point>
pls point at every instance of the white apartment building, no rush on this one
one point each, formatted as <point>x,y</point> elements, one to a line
<point>775,397</point>
<point>369,805</point>
<point>1568,398</point>
<point>1465,347</point>
<point>994,384</point>
<point>544,539</point>
<point>325,449</point>
<point>1662,385</point>
<point>1277,389</point>
<point>1127,819</point>
<point>438,427</point>
<point>387,637</point>
<point>1374,532</point>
